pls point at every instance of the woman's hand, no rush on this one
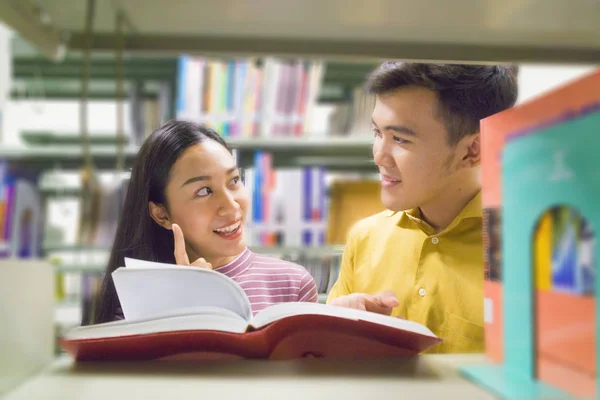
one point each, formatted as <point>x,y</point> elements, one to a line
<point>181,257</point>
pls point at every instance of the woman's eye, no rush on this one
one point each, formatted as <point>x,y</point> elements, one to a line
<point>203,192</point>
<point>236,181</point>
<point>400,140</point>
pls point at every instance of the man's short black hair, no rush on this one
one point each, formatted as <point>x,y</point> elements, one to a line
<point>466,93</point>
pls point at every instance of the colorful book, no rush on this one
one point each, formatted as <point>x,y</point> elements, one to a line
<point>542,172</point>
<point>496,131</point>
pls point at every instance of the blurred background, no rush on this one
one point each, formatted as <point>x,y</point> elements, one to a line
<point>83,83</point>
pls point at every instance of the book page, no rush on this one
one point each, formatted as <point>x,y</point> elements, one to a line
<point>148,288</point>
<point>203,318</point>
<point>283,310</point>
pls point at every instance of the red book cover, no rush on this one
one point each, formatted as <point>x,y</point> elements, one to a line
<point>288,338</point>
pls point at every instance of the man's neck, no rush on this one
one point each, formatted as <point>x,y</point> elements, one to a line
<point>441,211</point>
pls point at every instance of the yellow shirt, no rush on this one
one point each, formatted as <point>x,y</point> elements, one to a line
<point>438,278</point>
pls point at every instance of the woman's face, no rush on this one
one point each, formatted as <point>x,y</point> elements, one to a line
<point>207,199</point>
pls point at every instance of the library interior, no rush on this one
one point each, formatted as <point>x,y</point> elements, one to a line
<point>86,84</point>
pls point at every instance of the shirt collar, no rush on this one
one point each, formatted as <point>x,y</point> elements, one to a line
<point>238,265</point>
<point>471,210</point>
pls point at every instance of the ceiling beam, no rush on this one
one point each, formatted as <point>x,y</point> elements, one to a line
<point>347,50</point>
<point>22,19</point>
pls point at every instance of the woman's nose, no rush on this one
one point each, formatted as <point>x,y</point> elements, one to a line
<point>228,204</point>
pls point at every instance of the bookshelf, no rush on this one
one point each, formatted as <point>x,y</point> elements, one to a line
<point>309,251</point>
<point>337,153</point>
<point>83,253</point>
<point>35,76</point>
<point>464,31</point>
<point>80,268</point>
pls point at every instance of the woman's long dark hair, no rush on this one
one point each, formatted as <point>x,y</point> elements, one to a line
<point>138,235</point>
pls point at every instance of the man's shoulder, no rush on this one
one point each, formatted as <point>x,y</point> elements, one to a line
<point>373,224</point>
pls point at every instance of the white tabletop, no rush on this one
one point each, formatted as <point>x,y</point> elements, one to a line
<point>424,377</point>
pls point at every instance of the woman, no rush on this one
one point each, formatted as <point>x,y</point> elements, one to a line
<point>185,202</point>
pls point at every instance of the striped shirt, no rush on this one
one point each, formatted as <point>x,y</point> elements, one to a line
<point>267,280</point>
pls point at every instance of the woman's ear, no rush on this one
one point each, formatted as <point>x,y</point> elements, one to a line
<point>472,153</point>
<point>159,214</point>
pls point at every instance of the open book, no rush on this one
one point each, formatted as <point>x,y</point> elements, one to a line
<point>187,312</point>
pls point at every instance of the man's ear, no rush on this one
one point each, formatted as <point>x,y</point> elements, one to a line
<point>159,214</point>
<point>472,151</point>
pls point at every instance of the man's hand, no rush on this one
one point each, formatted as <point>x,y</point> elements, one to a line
<point>381,303</point>
<point>181,257</point>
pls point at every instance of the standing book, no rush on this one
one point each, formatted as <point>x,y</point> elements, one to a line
<point>181,312</point>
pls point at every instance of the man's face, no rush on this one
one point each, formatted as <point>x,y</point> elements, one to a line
<point>415,161</point>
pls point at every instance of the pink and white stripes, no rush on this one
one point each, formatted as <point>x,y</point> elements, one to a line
<point>269,281</point>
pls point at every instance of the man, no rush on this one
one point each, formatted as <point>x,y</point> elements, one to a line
<point>422,259</point>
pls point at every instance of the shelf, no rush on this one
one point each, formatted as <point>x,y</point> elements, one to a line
<point>80,268</point>
<point>57,248</point>
<point>41,138</point>
<point>32,88</point>
<point>328,250</point>
<point>57,192</point>
<point>336,153</point>
<point>94,267</point>
<point>104,157</point>
<point>466,31</point>
<point>318,144</point>
<point>34,76</point>
<point>424,377</point>
<point>103,67</point>
<point>31,65</point>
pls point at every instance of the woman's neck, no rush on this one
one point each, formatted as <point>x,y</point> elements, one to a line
<point>222,261</point>
<point>216,262</point>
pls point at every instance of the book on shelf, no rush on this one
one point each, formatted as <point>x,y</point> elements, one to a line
<point>21,223</point>
<point>177,312</point>
<point>98,224</point>
<point>287,206</point>
<point>146,115</point>
<point>248,97</point>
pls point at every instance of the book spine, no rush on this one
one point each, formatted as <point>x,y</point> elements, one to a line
<point>308,211</point>
<point>239,91</point>
<point>543,252</point>
<point>258,183</point>
<point>181,84</point>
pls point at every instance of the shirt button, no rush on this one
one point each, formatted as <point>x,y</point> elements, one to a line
<point>422,292</point>
<point>435,240</point>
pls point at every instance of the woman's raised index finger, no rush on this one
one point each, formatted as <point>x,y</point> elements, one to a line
<point>181,257</point>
